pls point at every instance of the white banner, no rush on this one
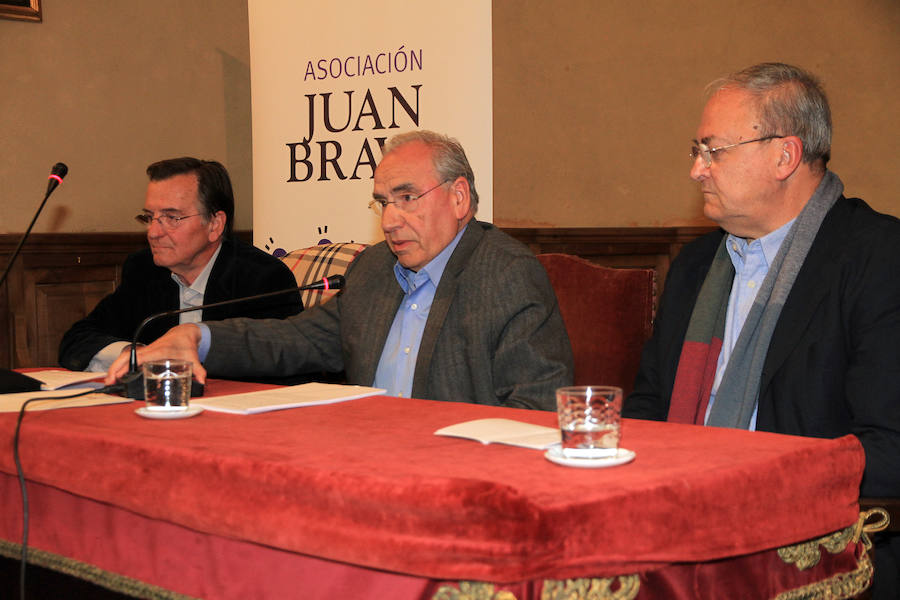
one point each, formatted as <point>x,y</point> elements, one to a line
<point>331,82</point>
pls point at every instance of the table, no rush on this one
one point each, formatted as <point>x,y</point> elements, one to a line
<point>360,499</point>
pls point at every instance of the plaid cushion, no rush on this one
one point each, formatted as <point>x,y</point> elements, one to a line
<point>317,262</point>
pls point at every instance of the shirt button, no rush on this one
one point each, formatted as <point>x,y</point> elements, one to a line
<point>414,306</point>
<point>751,284</point>
<point>406,350</point>
<point>734,246</point>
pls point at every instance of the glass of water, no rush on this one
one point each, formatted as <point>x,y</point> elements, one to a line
<point>589,419</point>
<point>167,384</point>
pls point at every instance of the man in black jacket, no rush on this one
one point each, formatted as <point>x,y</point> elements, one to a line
<point>787,319</point>
<point>192,260</point>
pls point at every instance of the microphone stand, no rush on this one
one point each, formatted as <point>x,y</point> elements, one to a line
<point>134,378</point>
<point>10,381</point>
<point>59,171</point>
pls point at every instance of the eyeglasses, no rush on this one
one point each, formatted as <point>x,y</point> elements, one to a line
<point>405,202</point>
<point>701,149</point>
<point>166,221</point>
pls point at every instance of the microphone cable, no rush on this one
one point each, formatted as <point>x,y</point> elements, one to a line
<point>21,474</point>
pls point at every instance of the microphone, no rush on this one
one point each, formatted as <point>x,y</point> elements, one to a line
<point>10,381</point>
<point>134,380</point>
<point>57,173</point>
<point>332,282</point>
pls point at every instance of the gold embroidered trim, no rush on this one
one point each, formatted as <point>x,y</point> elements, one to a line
<point>837,587</point>
<point>807,554</point>
<point>592,589</point>
<point>89,572</point>
<point>471,590</point>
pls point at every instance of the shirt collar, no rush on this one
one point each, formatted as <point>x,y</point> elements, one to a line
<point>434,270</point>
<point>199,284</point>
<point>770,243</point>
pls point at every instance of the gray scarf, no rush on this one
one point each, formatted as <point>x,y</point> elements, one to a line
<point>738,392</point>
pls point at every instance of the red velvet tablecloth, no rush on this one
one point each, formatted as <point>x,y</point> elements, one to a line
<point>366,483</point>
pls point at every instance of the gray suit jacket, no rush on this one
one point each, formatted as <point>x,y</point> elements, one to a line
<point>494,334</point>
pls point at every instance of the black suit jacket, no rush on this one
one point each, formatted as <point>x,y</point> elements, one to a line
<point>146,289</point>
<point>833,366</point>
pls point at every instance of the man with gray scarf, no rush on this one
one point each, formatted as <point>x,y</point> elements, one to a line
<point>789,319</point>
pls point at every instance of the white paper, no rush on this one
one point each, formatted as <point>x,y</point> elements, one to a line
<point>14,402</point>
<point>294,396</point>
<point>504,431</point>
<point>57,379</point>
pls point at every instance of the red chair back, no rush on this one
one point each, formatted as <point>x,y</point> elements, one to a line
<point>608,314</point>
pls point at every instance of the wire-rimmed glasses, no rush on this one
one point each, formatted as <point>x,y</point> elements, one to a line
<point>405,202</point>
<point>704,151</point>
<point>167,221</point>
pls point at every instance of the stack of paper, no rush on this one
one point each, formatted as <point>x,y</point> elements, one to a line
<point>55,380</point>
<point>293,396</point>
<point>14,402</point>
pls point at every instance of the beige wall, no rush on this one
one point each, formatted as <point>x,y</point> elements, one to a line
<point>109,87</point>
<point>595,101</point>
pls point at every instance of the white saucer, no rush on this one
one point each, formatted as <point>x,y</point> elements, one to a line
<point>169,414</point>
<point>621,457</point>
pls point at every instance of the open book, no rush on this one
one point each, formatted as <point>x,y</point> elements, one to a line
<point>504,431</point>
<point>292,396</point>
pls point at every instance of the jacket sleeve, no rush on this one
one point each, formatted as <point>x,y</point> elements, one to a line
<point>872,384</point>
<point>302,343</point>
<point>533,356</point>
<point>112,320</point>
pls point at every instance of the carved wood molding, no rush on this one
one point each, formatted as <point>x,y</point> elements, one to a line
<point>606,241</point>
<point>75,243</point>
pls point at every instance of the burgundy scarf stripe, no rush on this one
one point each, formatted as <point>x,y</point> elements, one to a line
<point>694,381</point>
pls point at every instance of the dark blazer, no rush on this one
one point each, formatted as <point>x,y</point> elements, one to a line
<point>833,366</point>
<point>494,334</point>
<point>146,289</point>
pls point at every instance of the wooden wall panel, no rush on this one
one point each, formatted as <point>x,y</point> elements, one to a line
<point>58,305</point>
<point>59,278</point>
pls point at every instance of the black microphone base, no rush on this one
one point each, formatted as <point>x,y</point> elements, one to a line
<point>11,381</point>
<point>134,386</point>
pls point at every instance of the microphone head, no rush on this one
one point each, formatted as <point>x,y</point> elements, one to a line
<point>57,173</point>
<point>332,282</point>
<point>60,170</point>
<point>336,282</point>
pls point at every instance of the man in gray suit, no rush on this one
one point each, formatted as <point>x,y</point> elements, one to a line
<point>446,308</point>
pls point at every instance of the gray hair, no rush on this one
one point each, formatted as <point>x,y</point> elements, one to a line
<point>447,156</point>
<point>789,101</point>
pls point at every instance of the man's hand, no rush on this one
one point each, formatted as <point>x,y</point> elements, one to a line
<point>179,342</point>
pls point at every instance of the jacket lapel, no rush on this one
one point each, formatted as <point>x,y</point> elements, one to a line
<point>443,298</point>
<point>221,284</point>
<point>386,297</point>
<point>812,284</point>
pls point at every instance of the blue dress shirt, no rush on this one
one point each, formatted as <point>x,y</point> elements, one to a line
<point>751,265</point>
<point>401,349</point>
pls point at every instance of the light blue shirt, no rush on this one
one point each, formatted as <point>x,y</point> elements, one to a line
<point>192,295</point>
<point>188,295</point>
<point>401,349</point>
<point>751,265</point>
